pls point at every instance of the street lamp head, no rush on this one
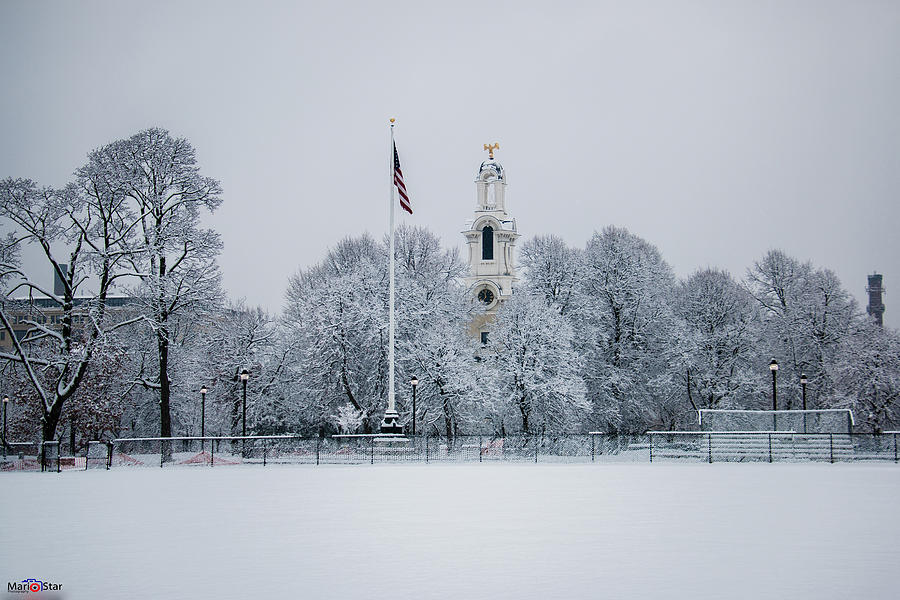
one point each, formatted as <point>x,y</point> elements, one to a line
<point>414,381</point>
<point>803,379</point>
<point>5,399</point>
<point>245,375</point>
<point>773,366</point>
<point>203,390</point>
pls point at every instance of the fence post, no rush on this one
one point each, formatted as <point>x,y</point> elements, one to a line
<point>535,450</point>
<point>318,441</point>
<point>58,453</point>
<point>770,447</point>
<point>109,455</point>
<point>426,448</point>
<point>709,447</point>
<point>592,448</point>
<point>480,450</point>
<point>372,450</point>
<point>87,455</point>
<point>895,447</point>
<point>265,450</point>
<point>831,444</point>
<point>651,446</point>
<point>212,451</point>
<point>43,456</point>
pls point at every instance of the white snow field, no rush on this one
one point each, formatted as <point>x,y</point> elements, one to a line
<point>673,531</point>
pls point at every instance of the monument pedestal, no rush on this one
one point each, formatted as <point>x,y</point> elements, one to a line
<point>391,422</point>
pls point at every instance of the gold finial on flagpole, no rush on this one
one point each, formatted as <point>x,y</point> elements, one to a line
<point>392,121</point>
<point>490,148</point>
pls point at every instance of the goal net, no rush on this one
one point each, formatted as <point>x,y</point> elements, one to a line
<point>834,420</point>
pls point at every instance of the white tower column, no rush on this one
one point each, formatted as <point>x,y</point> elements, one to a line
<point>491,237</point>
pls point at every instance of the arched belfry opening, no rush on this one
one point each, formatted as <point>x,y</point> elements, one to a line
<point>487,243</point>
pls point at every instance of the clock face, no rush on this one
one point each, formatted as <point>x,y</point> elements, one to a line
<point>486,296</point>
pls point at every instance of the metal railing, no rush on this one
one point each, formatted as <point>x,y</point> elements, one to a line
<point>371,449</point>
<point>772,446</point>
<point>216,451</point>
<point>654,446</point>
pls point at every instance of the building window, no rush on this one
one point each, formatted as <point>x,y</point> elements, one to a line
<point>487,243</point>
<point>484,338</point>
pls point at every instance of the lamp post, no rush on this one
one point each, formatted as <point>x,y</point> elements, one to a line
<point>245,375</point>
<point>415,383</point>
<point>5,402</point>
<point>203,391</point>
<point>803,382</point>
<point>773,366</point>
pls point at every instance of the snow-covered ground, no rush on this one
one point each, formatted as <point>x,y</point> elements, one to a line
<point>458,531</point>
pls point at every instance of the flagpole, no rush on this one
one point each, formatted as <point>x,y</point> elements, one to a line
<point>391,404</point>
<point>391,422</point>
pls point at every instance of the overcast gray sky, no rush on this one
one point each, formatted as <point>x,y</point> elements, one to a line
<point>715,130</point>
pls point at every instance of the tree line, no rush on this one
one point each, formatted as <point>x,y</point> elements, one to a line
<point>601,337</point>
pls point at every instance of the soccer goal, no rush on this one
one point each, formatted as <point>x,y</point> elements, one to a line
<point>829,420</point>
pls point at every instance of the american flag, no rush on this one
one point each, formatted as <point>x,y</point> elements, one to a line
<point>398,181</point>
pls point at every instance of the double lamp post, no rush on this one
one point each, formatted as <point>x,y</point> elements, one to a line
<point>773,366</point>
<point>244,377</point>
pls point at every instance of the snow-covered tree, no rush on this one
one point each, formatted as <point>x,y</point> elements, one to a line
<point>538,368</point>
<point>96,409</point>
<point>336,320</point>
<point>433,313</point>
<point>807,315</point>
<point>866,370</point>
<point>238,338</point>
<point>348,419</point>
<point>626,326</point>
<point>171,255</point>
<point>552,270</point>
<point>717,354</point>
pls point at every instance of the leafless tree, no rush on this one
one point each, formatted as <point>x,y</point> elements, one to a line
<point>90,234</point>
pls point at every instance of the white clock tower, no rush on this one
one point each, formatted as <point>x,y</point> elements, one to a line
<point>491,237</point>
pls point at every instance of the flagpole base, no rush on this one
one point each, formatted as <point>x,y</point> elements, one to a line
<point>391,422</point>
